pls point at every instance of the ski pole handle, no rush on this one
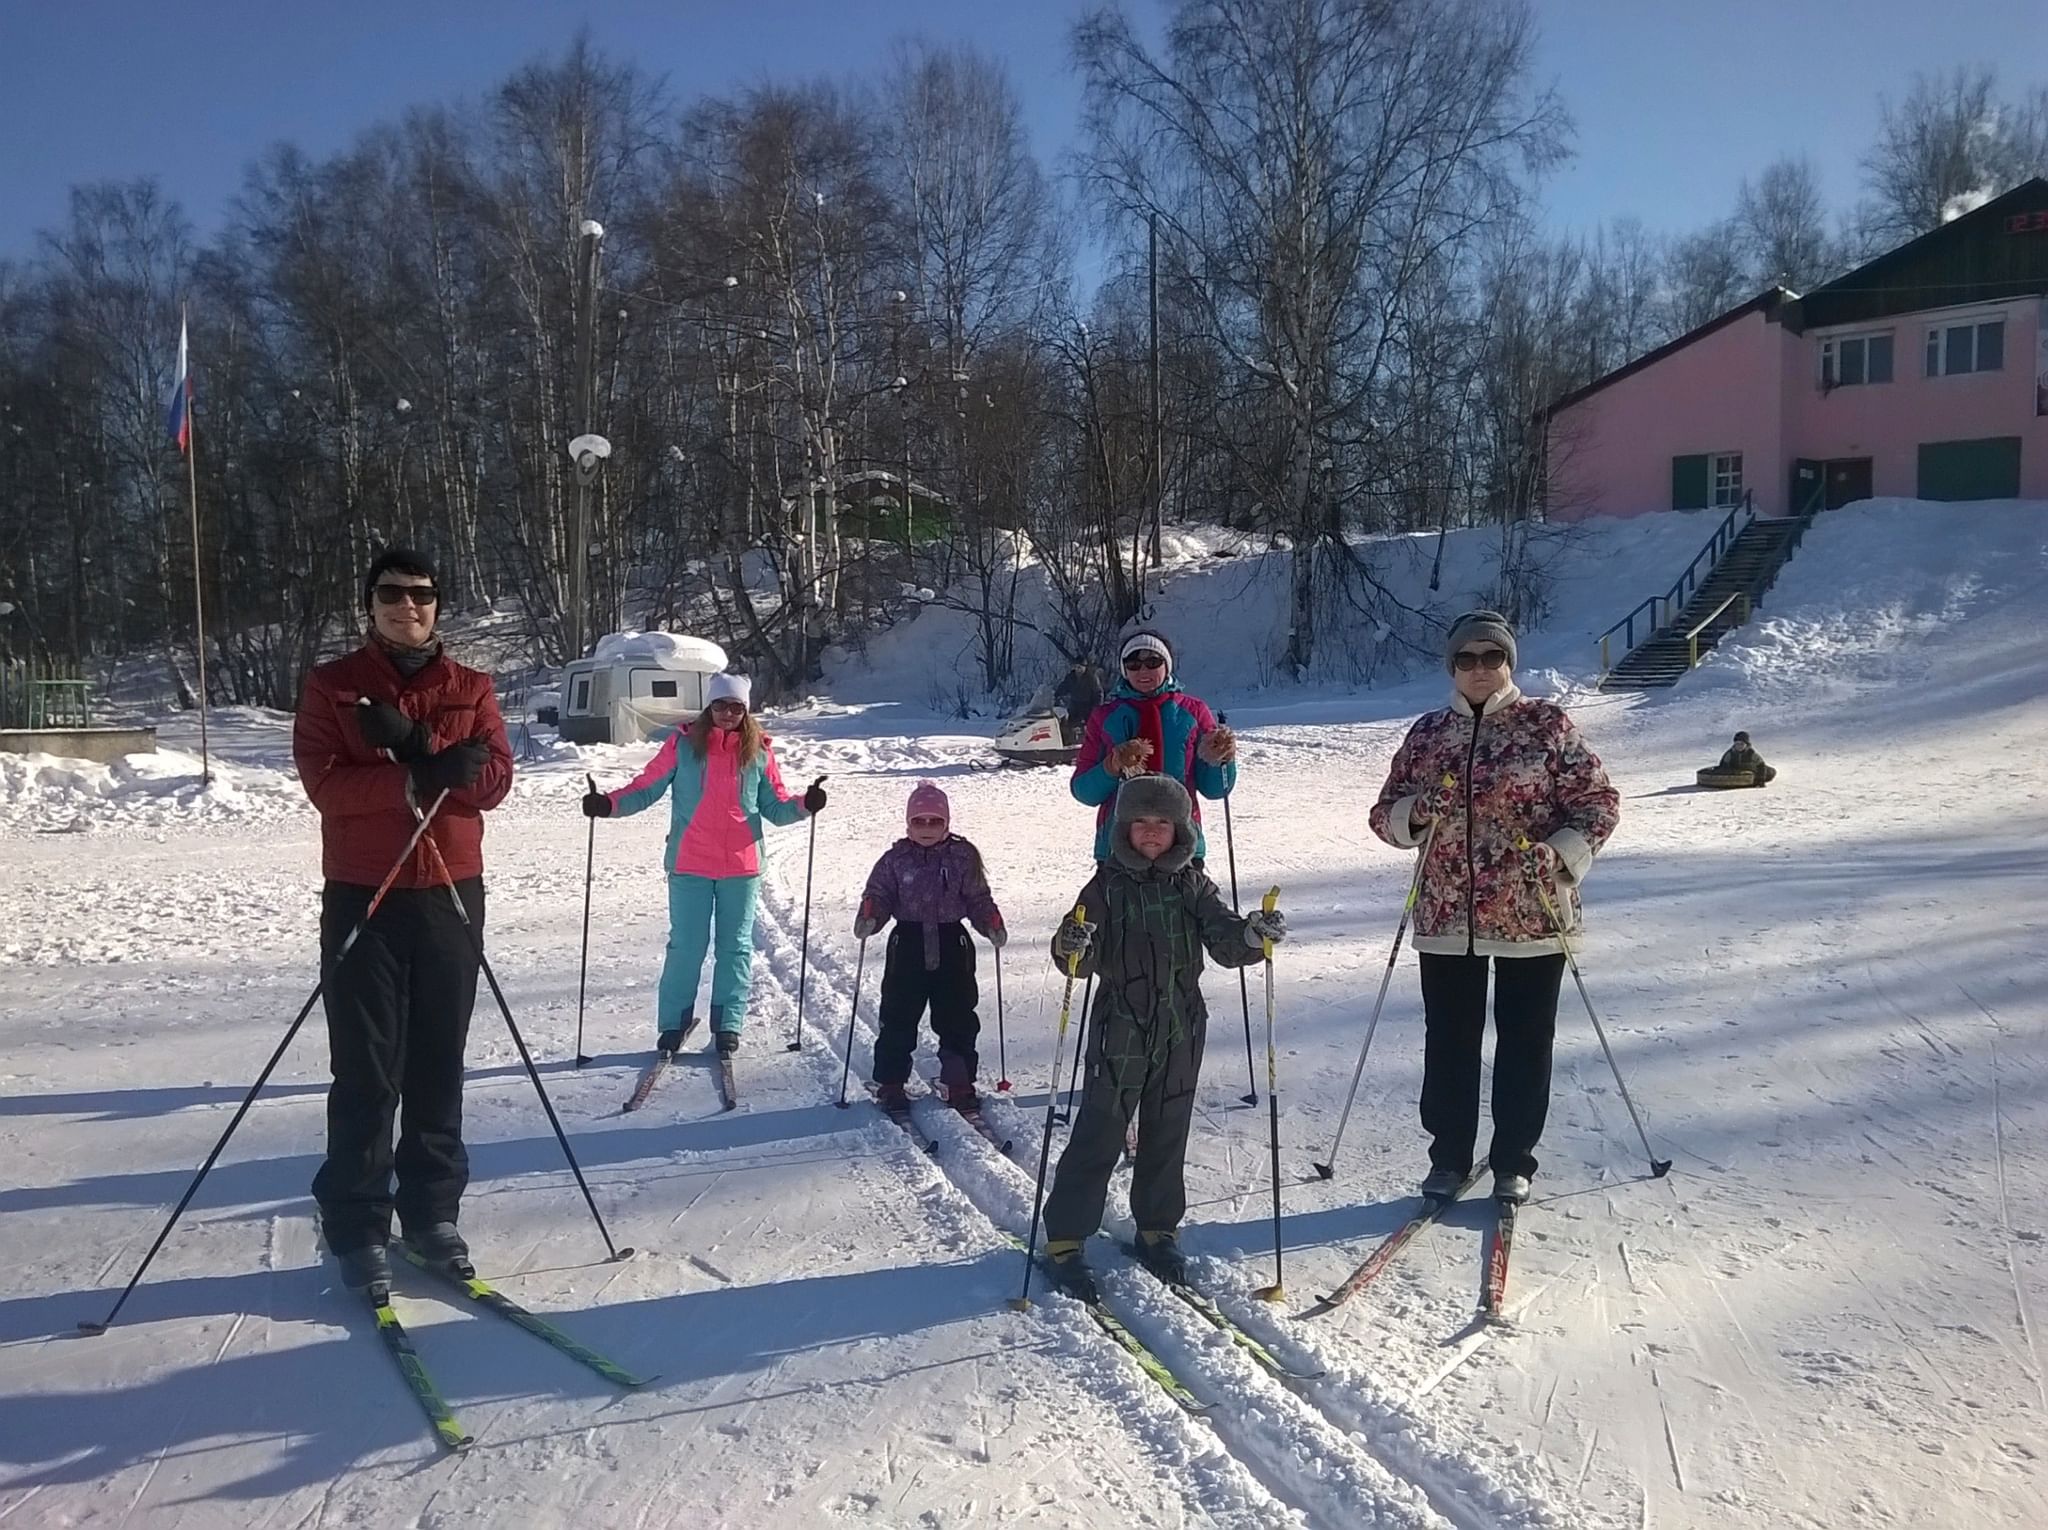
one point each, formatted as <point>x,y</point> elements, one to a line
<point>1266,905</point>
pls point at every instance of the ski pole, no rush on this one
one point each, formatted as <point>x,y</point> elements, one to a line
<point>583,967</point>
<point>1244,993</point>
<point>859,964</point>
<point>1328,1166</point>
<point>1080,1046</point>
<point>1277,1290</point>
<point>1002,1046</point>
<point>1023,1299</point>
<point>1659,1167</point>
<point>341,952</point>
<point>476,944</point>
<point>803,967</point>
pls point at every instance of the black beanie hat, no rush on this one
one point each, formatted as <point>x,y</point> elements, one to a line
<point>401,560</point>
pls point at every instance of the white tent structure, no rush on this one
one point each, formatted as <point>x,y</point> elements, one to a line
<point>634,684</point>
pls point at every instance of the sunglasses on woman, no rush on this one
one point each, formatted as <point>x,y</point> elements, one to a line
<point>1144,661</point>
<point>1491,658</point>
<point>418,594</point>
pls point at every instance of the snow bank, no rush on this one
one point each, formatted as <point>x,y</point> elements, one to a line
<point>48,793</point>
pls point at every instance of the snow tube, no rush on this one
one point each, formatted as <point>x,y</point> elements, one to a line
<point>1725,780</point>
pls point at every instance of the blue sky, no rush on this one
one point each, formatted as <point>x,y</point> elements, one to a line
<point>1675,101</point>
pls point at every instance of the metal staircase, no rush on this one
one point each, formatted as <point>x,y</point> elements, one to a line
<point>1718,592</point>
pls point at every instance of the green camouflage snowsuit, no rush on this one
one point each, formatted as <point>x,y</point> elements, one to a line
<point>1152,921</point>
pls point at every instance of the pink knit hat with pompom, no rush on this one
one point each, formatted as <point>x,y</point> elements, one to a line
<point>927,801</point>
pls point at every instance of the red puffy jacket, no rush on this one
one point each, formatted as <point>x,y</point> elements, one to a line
<point>365,814</point>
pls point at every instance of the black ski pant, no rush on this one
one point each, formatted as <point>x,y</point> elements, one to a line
<point>397,1021</point>
<point>1163,1098</point>
<point>1525,1026</point>
<point>949,991</point>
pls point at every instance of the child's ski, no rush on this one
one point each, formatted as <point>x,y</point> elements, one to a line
<point>1206,1305</point>
<point>971,1114</point>
<point>649,1077</point>
<point>902,1118</point>
<point>1493,1295</point>
<point>728,1086</point>
<point>1135,1347</point>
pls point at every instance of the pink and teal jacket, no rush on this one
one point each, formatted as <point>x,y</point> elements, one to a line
<point>717,804</point>
<point>1176,723</point>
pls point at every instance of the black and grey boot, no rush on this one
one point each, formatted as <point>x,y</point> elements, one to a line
<point>1160,1253</point>
<point>1069,1271</point>
<point>363,1265</point>
<point>439,1246</point>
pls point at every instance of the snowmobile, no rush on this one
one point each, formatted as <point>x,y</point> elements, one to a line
<point>1035,735</point>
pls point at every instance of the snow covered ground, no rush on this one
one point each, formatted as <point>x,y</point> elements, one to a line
<point>1830,1000</point>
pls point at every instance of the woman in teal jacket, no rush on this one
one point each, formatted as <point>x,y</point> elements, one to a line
<point>722,780</point>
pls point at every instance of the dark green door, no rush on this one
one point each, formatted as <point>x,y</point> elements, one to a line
<point>1806,486</point>
<point>1986,469</point>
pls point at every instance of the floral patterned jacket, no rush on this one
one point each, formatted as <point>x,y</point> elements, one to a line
<point>1516,770</point>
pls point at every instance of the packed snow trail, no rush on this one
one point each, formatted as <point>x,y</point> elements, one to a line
<point>1828,998</point>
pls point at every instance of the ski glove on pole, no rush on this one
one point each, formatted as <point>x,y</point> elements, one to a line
<point>868,922</point>
<point>385,727</point>
<point>450,769</point>
<point>1263,925</point>
<point>1072,939</point>
<point>995,932</point>
<point>596,804</point>
<point>814,799</point>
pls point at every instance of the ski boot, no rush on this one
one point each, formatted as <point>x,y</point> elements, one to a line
<point>893,1099</point>
<point>1067,1270</point>
<point>1511,1189</point>
<point>671,1038</point>
<point>727,1041</point>
<point>956,1083</point>
<point>1160,1253</point>
<point>364,1266</point>
<point>1441,1184</point>
<point>440,1247</point>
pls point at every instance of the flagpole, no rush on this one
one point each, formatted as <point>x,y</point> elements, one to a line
<point>198,597</point>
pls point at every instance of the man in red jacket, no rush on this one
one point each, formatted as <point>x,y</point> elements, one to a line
<point>379,737</point>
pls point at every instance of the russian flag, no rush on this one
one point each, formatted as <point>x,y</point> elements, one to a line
<point>178,413</point>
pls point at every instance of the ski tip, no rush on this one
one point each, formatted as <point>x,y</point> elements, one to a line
<point>1274,1293</point>
<point>1659,1167</point>
<point>1325,1170</point>
<point>94,1329</point>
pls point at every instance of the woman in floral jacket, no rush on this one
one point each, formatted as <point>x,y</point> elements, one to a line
<point>1508,805</point>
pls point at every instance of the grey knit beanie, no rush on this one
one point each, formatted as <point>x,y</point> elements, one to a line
<point>1484,627</point>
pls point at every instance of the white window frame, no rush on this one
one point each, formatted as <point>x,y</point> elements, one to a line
<point>1830,358</point>
<point>1724,484</point>
<point>1934,352</point>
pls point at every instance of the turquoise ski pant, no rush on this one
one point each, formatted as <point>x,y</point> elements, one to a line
<point>695,905</point>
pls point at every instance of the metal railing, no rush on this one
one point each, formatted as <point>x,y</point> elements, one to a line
<point>34,695</point>
<point>1661,608</point>
<point>1692,637</point>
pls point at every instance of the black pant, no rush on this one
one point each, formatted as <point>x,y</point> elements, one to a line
<point>397,1020</point>
<point>1164,1103</point>
<point>950,991</point>
<point>1525,1025</point>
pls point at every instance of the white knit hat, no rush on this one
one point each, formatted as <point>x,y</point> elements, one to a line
<point>729,688</point>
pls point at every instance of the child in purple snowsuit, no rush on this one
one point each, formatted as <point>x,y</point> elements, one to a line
<point>928,882</point>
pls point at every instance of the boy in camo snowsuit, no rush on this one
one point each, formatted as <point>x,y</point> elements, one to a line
<point>1149,914</point>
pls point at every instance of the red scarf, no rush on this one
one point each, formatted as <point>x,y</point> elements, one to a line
<point>1153,730</point>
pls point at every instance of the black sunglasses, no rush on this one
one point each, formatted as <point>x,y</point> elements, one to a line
<point>1144,661</point>
<point>418,594</point>
<point>1492,658</point>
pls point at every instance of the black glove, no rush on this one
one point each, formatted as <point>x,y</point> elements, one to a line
<point>450,769</point>
<point>814,799</point>
<point>596,804</point>
<point>385,727</point>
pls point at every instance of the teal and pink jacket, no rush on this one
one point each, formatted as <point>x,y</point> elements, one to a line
<point>1176,723</point>
<point>717,803</point>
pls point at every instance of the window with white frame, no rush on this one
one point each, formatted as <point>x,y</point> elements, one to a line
<point>1973,345</point>
<point>1724,471</point>
<point>1849,361</point>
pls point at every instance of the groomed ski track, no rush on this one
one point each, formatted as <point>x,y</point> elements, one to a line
<point>1335,1449</point>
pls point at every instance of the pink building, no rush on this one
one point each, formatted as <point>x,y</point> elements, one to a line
<point>1923,373</point>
